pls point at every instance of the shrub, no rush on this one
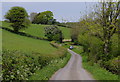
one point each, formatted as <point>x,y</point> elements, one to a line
<point>113,65</point>
<point>92,46</point>
<point>17,65</point>
<point>53,33</point>
<point>115,51</point>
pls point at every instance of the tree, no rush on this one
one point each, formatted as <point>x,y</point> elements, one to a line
<point>45,17</point>
<point>75,33</point>
<point>18,17</point>
<point>108,18</point>
<point>53,33</point>
<point>103,24</point>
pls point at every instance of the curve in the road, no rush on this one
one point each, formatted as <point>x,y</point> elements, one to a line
<point>73,70</point>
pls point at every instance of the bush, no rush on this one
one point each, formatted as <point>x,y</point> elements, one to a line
<point>115,51</point>
<point>51,68</point>
<point>17,65</point>
<point>92,46</point>
<point>113,65</point>
<point>53,33</point>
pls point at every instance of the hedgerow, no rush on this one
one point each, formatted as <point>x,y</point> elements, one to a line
<point>17,65</point>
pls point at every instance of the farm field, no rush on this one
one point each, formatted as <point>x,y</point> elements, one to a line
<point>60,41</point>
<point>39,52</point>
<point>16,42</point>
<point>38,30</point>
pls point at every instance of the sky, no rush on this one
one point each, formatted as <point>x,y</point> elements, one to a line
<point>63,11</point>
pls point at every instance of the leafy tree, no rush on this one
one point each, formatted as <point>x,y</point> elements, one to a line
<point>18,17</point>
<point>108,19</point>
<point>53,33</point>
<point>45,17</point>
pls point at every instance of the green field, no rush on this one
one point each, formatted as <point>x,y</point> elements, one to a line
<point>32,53</point>
<point>38,30</point>
<point>16,42</point>
<point>13,41</point>
<point>29,52</point>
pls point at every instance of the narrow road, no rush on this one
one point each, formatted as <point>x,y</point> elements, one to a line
<point>73,70</point>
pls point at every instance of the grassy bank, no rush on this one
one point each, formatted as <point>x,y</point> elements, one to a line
<point>97,72</point>
<point>24,58</point>
<point>17,65</point>
<point>13,41</point>
<point>51,68</point>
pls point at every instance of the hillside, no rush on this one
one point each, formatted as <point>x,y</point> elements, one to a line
<point>13,41</point>
<point>38,30</point>
<point>16,42</point>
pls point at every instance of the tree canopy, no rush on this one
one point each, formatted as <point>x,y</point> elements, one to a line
<point>53,33</point>
<point>45,17</point>
<point>18,17</point>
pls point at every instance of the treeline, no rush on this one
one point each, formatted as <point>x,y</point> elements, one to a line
<point>19,19</point>
<point>45,17</point>
<point>98,33</point>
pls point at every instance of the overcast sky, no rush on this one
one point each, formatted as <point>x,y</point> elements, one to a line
<point>69,11</point>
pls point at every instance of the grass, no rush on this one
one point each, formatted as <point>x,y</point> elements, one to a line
<point>97,72</point>
<point>41,48</point>
<point>49,70</point>
<point>5,24</point>
<point>66,32</point>
<point>38,30</point>
<point>78,49</point>
<point>12,41</point>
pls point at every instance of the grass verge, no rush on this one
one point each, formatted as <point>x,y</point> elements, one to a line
<point>46,72</point>
<point>97,72</point>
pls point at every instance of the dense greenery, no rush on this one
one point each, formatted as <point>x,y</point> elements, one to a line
<point>19,66</point>
<point>75,33</point>
<point>51,68</point>
<point>98,34</point>
<point>53,33</point>
<point>18,17</point>
<point>22,60</point>
<point>95,49</point>
<point>27,58</point>
<point>45,17</point>
<point>97,72</point>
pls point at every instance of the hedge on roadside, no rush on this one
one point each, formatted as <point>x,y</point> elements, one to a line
<point>17,65</point>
